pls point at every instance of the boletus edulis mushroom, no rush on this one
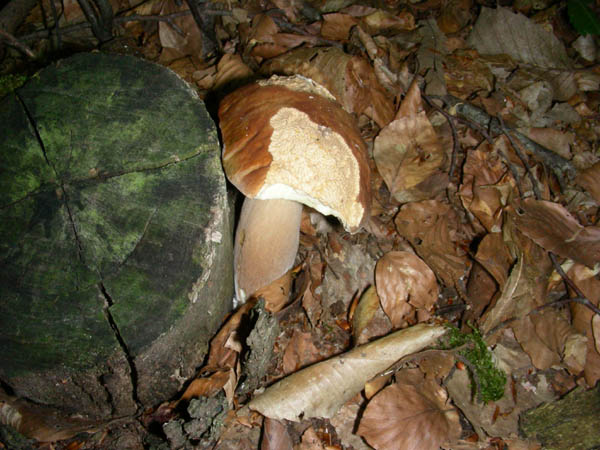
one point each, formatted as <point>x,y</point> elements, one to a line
<point>287,142</point>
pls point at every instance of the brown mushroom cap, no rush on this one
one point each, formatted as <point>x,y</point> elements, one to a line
<point>287,138</point>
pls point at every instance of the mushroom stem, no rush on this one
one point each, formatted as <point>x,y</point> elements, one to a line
<point>266,243</point>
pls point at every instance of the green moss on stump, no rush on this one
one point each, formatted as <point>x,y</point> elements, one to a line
<point>111,195</point>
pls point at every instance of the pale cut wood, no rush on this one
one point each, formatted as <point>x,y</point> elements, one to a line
<point>266,243</point>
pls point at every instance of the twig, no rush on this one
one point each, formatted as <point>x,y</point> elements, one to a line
<point>581,298</point>
<point>14,42</point>
<point>100,15</point>
<point>58,41</point>
<point>517,149</point>
<point>455,144</point>
<point>559,165</point>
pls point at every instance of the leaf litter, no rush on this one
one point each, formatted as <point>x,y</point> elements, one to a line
<point>483,130</point>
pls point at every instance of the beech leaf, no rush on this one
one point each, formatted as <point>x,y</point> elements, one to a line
<point>321,389</point>
<point>410,417</point>
<point>404,283</point>
<point>407,152</point>
<point>553,228</point>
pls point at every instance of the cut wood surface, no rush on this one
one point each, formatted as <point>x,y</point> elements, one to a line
<point>115,261</point>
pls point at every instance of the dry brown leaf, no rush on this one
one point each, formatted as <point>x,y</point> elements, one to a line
<point>369,320</point>
<point>465,73</point>
<point>596,331</point>
<point>542,356</point>
<point>552,227</point>
<point>336,26</point>
<point>321,389</point>
<point>410,417</point>
<point>231,69</point>
<point>486,186</point>
<point>407,151</point>
<point>575,353</point>
<point>513,303</point>
<point>310,441</point>
<point>437,364</point>
<point>587,281</point>
<point>299,352</point>
<point>277,294</point>
<point>311,302</point>
<point>275,436</point>
<point>481,289</point>
<point>220,355</point>
<point>206,387</point>
<point>186,39</point>
<point>455,15</point>
<point>380,21</point>
<point>436,233</point>
<point>500,418</point>
<point>556,140</point>
<point>40,422</point>
<point>500,31</point>
<point>494,255</point>
<point>350,79</point>
<point>344,423</point>
<point>589,179</point>
<point>405,284</point>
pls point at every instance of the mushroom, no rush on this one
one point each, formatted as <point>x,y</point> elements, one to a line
<point>287,142</point>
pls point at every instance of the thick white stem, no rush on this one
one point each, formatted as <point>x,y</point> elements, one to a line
<point>266,243</point>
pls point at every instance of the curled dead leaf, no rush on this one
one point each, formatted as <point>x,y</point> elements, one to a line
<point>321,389</point>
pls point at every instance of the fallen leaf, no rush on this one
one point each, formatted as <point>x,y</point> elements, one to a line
<point>410,417</point>
<point>182,35</point>
<point>500,31</point>
<point>321,389</point>
<point>336,26</point>
<point>587,281</point>
<point>299,352</point>
<point>465,73</point>
<point>206,387</point>
<point>369,319</point>
<point>221,355</point>
<point>552,227</point>
<point>344,423</point>
<point>575,354</point>
<point>494,255</point>
<point>454,15</point>
<point>275,436</point>
<point>405,284</point>
<point>231,70</point>
<point>486,186</point>
<point>350,79</point>
<point>556,140</point>
<point>407,151</point>
<point>277,293</point>
<point>589,179</point>
<point>514,302</point>
<point>381,21</point>
<point>40,422</point>
<point>310,441</point>
<point>435,231</point>
<point>499,418</point>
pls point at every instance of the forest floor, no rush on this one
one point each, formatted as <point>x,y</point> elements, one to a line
<point>482,126</point>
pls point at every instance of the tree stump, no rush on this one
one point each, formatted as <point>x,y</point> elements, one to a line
<point>115,257</point>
